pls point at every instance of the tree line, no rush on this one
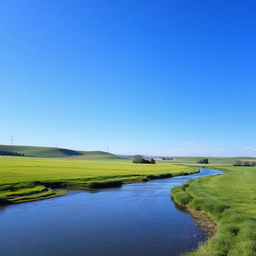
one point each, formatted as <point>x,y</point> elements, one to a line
<point>10,153</point>
<point>244,163</point>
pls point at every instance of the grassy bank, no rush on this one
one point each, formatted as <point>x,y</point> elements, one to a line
<point>25,179</point>
<point>230,200</point>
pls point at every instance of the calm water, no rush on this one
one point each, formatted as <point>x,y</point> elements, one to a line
<point>136,220</point>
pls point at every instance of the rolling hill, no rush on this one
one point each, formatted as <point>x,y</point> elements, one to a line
<point>53,152</point>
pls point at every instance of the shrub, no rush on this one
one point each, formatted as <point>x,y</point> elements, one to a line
<point>138,159</point>
<point>180,196</point>
<point>159,176</point>
<point>153,161</point>
<point>246,163</point>
<point>203,161</point>
<point>10,153</point>
<point>238,163</point>
<point>104,184</point>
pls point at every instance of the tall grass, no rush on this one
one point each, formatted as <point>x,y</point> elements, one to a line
<point>230,200</point>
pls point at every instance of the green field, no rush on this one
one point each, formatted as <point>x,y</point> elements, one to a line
<point>212,160</point>
<point>54,152</point>
<point>230,200</point>
<point>25,178</point>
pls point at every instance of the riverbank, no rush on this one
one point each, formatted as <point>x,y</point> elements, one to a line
<point>29,179</point>
<point>229,200</point>
<point>203,220</point>
<point>153,224</point>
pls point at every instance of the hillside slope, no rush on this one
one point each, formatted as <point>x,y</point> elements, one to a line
<point>51,152</point>
<point>98,155</point>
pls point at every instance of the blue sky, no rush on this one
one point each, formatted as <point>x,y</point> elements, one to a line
<point>151,77</point>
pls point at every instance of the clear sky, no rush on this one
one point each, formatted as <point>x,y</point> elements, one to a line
<point>174,77</point>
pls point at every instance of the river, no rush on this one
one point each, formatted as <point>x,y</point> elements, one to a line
<point>138,219</point>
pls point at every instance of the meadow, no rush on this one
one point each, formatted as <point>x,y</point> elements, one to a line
<point>230,201</point>
<point>212,160</point>
<point>25,178</point>
<point>54,152</point>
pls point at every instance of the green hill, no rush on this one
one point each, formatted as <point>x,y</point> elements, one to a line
<point>51,152</point>
<point>98,155</point>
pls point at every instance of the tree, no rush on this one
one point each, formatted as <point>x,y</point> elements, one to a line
<point>246,163</point>
<point>139,159</point>
<point>253,163</point>
<point>153,161</point>
<point>238,163</point>
<point>203,161</point>
<point>10,153</point>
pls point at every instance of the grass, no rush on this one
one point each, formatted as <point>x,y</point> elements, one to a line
<point>212,160</point>
<point>52,152</point>
<point>25,178</point>
<point>230,200</point>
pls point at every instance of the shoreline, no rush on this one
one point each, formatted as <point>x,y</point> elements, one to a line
<point>202,219</point>
<point>59,189</point>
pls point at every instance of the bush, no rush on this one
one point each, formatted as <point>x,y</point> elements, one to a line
<point>104,184</point>
<point>180,196</point>
<point>153,161</point>
<point>203,161</point>
<point>246,163</point>
<point>253,164</point>
<point>159,176</point>
<point>138,159</point>
<point>238,163</point>
<point>10,153</point>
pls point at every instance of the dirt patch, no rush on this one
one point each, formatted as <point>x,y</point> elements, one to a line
<point>202,220</point>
